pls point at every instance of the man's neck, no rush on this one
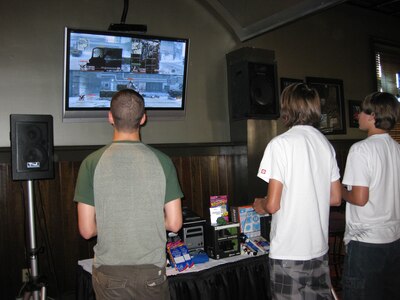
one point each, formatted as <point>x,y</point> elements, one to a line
<point>374,131</point>
<point>126,136</point>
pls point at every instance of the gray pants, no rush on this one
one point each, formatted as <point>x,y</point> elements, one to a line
<point>144,282</point>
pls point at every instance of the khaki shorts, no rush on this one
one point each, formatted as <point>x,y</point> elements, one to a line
<point>147,282</point>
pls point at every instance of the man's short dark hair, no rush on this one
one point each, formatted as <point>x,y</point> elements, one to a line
<point>127,109</point>
<point>300,105</point>
<point>384,106</point>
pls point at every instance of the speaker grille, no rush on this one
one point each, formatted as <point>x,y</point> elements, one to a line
<point>253,90</point>
<point>32,139</point>
<point>263,96</point>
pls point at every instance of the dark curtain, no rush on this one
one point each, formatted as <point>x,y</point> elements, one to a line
<point>245,279</point>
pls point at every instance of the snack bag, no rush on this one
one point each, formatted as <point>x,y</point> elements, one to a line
<point>220,204</point>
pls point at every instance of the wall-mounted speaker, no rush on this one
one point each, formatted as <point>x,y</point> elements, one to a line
<point>31,147</point>
<point>252,84</point>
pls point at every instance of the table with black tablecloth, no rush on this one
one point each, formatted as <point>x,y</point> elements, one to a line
<point>239,277</point>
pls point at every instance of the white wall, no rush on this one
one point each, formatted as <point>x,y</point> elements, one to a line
<point>31,65</point>
<point>332,44</point>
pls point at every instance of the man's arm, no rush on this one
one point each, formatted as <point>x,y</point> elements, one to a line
<point>87,220</point>
<point>358,195</point>
<point>272,203</point>
<point>336,193</point>
<point>173,215</point>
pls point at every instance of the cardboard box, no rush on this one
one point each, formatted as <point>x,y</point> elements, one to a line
<point>260,243</point>
<point>248,218</point>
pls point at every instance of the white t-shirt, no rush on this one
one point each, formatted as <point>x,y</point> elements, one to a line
<point>374,163</point>
<point>303,160</point>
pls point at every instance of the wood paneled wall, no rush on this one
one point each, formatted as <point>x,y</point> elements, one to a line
<point>203,170</point>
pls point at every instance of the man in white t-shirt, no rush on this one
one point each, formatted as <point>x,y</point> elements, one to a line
<point>372,175</point>
<point>301,169</point>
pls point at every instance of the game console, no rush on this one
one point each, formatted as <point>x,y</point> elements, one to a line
<point>192,232</point>
<point>222,240</point>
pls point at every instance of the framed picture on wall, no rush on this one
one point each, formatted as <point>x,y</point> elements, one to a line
<point>288,81</point>
<point>354,111</point>
<point>332,104</point>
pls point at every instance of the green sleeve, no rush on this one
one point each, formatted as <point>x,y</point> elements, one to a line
<point>84,184</point>
<point>173,189</point>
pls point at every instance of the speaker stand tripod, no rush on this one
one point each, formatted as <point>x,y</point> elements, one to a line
<point>35,288</point>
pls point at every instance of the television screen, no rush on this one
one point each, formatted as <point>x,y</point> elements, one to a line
<point>97,64</point>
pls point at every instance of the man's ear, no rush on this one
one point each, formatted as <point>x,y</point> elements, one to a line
<point>371,118</point>
<point>143,119</point>
<point>110,118</point>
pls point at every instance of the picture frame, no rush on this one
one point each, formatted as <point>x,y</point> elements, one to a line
<point>285,81</point>
<point>354,111</point>
<point>332,104</point>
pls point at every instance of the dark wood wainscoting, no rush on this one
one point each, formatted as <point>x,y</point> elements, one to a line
<point>203,170</point>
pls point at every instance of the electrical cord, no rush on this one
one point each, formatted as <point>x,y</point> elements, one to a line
<point>45,235</point>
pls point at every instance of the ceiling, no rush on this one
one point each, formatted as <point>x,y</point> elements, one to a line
<point>250,18</point>
<point>388,7</point>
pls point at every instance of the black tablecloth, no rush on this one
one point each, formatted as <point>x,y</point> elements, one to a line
<point>241,280</point>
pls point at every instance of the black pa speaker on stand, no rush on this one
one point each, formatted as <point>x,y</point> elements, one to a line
<point>253,99</point>
<point>252,84</point>
<point>31,147</point>
<point>32,158</point>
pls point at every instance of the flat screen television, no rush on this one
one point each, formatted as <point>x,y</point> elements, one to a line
<point>97,64</point>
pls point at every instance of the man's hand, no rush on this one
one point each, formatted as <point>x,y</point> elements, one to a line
<point>258,206</point>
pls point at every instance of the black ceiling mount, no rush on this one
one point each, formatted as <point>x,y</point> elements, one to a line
<point>126,27</point>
